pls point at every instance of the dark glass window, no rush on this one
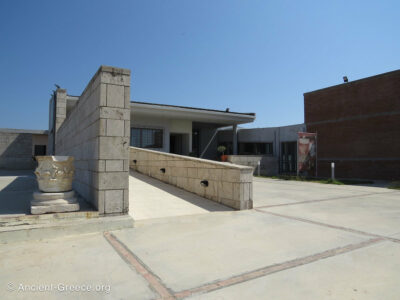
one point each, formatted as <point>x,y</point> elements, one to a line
<point>146,138</point>
<point>255,149</point>
<point>135,137</point>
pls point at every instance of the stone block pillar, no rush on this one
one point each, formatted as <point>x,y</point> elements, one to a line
<point>97,133</point>
<point>114,139</point>
<point>61,107</point>
<point>57,115</point>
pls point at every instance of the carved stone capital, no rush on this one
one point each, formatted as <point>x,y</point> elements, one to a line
<point>55,173</point>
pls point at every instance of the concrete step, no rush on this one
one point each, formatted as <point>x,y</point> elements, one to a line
<point>47,226</point>
<point>7,221</point>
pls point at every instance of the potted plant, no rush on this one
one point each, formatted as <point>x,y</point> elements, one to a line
<point>221,149</point>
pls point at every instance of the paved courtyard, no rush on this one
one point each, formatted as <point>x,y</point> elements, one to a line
<point>302,241</point>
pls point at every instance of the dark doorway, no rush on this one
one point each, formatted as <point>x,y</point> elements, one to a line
<point>288,158</point>
<point>176,143</point>
<point>196,142</point>
<point>40,150</point>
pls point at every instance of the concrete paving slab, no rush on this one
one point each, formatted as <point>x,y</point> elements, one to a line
<point>195,250</point>
<point>376,214</point>
<point>375,187</point>
<point>150,198</point>
<point>16,188</point>
<point>368,273</point>
<point>274,192</point>
<point>85,260</point>
<point>396,236</point>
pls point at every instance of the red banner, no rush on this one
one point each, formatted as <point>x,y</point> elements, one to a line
<point>307,154</point>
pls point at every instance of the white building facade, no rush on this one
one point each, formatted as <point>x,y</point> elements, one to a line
<point>174,129</point>
<point>181,130</point>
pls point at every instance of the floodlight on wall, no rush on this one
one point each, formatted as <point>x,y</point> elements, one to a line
<point>162,170</point>
<point>345,79</point>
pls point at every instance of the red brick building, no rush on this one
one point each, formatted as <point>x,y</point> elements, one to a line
<point>358,127</point>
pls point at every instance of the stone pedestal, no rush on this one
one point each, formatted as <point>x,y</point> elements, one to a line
<point>53,202</point>
<point>54,175</point>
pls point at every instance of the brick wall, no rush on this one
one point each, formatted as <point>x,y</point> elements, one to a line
<point>228,184</point>
<point>96,133</point>
<point>358,126</point>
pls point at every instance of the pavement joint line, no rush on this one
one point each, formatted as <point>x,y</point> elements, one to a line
<point>330,226</point>
<point>209,287</point>
<point>134,262</point>
<point>321,200</point>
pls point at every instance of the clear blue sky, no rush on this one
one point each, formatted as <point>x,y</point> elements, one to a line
<point>251,56</point>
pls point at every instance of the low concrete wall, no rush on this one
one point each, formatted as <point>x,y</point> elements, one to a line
<point>16,151</point>
<point>268,164</point>
<point>96,133</point>
<point>17,148</point>
<point>228,184</point>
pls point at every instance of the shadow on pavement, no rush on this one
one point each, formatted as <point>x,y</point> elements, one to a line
<point>189,197</point>
<point>16,188</point>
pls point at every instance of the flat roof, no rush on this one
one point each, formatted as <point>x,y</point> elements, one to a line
<point>184,112</point>
<point>355,81</point>
<point>32,131</point>
<point>71,97</point>
<point>194,108</point>
<point>200,115</point>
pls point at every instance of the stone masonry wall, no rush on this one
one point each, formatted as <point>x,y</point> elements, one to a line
<point>228,184</point>
<point>97,134</point>
<point>16,150</point>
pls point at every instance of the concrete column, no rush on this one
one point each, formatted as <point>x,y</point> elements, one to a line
<point>190,142</point>
<point>234,139</point>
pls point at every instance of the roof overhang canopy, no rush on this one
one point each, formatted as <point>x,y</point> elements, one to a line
<point>151,110</point>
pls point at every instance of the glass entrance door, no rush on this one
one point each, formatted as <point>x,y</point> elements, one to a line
<point>288,158</point>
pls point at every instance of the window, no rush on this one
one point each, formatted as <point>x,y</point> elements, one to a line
<point>146,138</point>
<point>255,149</point>
<point>40,150</point>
